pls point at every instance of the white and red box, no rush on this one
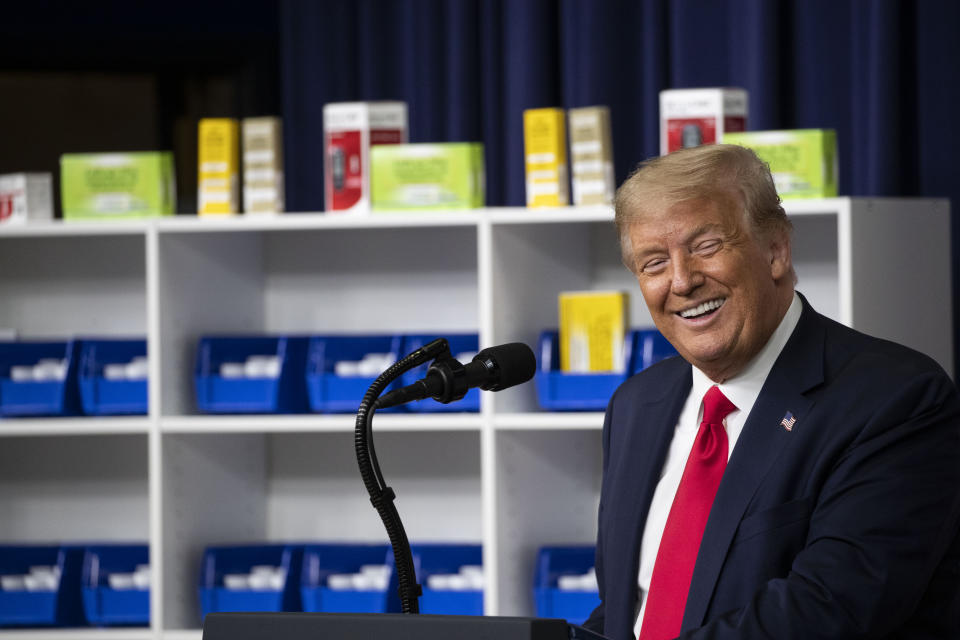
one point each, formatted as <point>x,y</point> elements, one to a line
<point>691,117</point>
<point>26,197</point>
<point>350,129</point>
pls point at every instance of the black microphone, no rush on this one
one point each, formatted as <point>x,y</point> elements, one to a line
<point>447,379</point>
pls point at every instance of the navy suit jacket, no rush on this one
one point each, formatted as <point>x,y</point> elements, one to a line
<point>844,526</point>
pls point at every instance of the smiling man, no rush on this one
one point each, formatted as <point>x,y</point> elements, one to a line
<point>786,477</point>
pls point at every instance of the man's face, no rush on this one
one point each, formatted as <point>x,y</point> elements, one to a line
<point>710,281</point>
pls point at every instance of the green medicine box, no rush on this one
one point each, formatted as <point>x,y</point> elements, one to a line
<point>447,175</point>
<point>108,186</point>
<point>803,161</point>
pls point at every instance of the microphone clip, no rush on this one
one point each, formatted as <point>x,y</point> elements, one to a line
<point>453,377</point>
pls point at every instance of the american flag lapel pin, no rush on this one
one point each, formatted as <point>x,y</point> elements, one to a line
<point>788,421</point>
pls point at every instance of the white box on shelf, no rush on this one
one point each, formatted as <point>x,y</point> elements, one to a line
<point>691,117</point>
<point>25,197</point>
<point>349,130</point>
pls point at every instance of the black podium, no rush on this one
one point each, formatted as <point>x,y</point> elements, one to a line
<point>374,626</point>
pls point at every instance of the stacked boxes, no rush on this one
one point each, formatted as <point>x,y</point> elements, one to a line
<point>545,148</point>
<point>117,185</point>
<point>350,129</point>
<point>219,163</point>
<point>26,196</point>
<point>803,162</point>
<point>262,165</point>
<point>691,117</point>
<point>427,176</point>
<point>591,151</point>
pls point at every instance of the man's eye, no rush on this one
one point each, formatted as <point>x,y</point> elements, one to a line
<point>708,246</point>
<point>653,266</point>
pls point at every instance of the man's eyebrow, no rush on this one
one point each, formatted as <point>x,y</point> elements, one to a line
<point>709,227</point>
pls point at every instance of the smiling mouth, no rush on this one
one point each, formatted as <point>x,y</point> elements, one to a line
<point>702,310</point>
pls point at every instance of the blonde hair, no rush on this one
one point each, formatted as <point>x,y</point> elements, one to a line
<point>705,172</point>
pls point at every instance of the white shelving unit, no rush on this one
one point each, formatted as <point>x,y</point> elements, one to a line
<point>512,477</point>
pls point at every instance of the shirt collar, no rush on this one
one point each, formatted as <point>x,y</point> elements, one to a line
<point>743,388</point>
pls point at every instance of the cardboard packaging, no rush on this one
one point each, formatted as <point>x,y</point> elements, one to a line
<point>545,148</point>
<point>218,185</point>
<point>350,130</point>
<point>26,197</point>
<point>803,161</point>
<point>691,117</point>
<point>591,156</point>
<point>427,176</point>
<point>263,190</point>
<point>593,325</point>
<point>117,185</point>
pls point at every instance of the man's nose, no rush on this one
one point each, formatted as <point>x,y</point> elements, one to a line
<point>686,276</point>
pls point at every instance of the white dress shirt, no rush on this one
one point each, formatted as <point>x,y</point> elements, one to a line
<point>742,390</point>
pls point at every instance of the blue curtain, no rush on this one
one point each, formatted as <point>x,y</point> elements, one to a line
<point>885,74</point>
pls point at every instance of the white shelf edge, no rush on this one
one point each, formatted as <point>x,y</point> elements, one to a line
<point>181,634</point>
<point>80,633</point>
<point>74,426</point>
<point>75,228</point>
<point>310,423</point>
<point>548,215</point>
<point>549,421</point>
<point>311,221</point>
<point>814,206</point>
<point>381,219</point>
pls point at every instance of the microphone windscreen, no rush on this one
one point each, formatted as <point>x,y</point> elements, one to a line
<point>515,361</point>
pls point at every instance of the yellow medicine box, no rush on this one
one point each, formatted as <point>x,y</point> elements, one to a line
<point>593,326</point>
<point>218,184</point>
<point>545,147</point>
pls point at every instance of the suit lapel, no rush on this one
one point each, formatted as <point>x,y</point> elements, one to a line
<point>649,429</point>
<point>798,369</point>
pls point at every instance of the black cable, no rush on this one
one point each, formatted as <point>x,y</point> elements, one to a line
<point>381,495</point>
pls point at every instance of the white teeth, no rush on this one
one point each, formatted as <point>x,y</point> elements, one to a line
<point>703,308</point>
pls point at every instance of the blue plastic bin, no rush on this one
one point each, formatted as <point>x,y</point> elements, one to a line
<point>552,562</point>
<point>431,559</point>
<point>648,346</point>
<point>105,605</point>
<point>283,394</point>
<point>61,607</point>
<point>102,396</point>
<point>38,398</point>
<point>320,561</point>
<point>559,391</point>
<point>330,393</point>
<point>459,343</point>
<point>225,560</point>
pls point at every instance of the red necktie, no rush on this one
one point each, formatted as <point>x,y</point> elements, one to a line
<point>680,543</point>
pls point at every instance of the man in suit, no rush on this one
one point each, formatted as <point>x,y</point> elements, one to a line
<point>786,476</point>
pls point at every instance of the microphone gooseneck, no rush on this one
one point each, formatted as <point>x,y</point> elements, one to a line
<point>447,380</point>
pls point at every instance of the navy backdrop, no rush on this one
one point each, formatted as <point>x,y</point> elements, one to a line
<point>885,74</point>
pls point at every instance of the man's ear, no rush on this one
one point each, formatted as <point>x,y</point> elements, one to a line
<point>781,261</point>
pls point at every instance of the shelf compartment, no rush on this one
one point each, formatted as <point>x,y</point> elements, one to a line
<point>431,560</point>
<point>49,397</point>
<point>560,391</point>
<point>573,605</point>
<point>332,393</point>
<point>102,393</point>
<point>105,602</point>
<point>320,561</point>
<point>221,563</point>
<point>58,606</point>
<point>280,391</point>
